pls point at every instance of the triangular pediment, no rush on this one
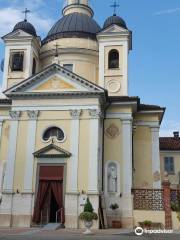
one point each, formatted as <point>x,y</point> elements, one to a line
<point>54,80</point>
<point>52,151</point>
<point>16,35</point>
<point>114,29</point>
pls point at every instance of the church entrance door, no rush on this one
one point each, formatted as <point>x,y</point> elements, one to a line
<point>49,205</point>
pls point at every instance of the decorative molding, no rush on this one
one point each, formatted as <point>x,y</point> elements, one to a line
<point>95,113</point>
<point>33,115</point>
<point>15,115</point>
<point>112,131</point>
<point>75,113</point>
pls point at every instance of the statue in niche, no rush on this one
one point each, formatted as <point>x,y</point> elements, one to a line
<point>112,178</point>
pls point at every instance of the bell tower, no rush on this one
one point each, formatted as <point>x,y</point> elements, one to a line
<point>79,6</point>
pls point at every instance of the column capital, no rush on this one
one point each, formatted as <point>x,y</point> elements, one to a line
<point>95,113</point>
<point>155,128</point>
<point>127,120</point>
<point>75,113</point>
<point>33,115</point>
<point>15,115</point>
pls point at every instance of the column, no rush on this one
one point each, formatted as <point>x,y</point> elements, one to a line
<point>31,141</point>
<point>75,123</point>
<point>1,124</point>
<point>127,156</point>
<point>127,203</point>
<point>94,151</point>
<point>11,158</point>
<point>155,157</point>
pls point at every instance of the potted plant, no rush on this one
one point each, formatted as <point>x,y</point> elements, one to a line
<point>88,215</point>
<point>115,223</point>
<point>146,224</point>
<point>114,206</point>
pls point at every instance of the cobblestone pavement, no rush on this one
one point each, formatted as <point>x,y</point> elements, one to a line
<point>38,234</point>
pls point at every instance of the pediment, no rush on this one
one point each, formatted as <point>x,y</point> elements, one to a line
<point>54,80</point>
<point>114,29</point>
<point>52,151</point>
<point>16,35</point>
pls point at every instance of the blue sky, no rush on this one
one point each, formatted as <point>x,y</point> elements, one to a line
<point>154,63</point>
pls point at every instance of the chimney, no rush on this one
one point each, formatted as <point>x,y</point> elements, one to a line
<point>176,134</point>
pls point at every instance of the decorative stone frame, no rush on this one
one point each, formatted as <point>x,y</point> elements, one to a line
<point>50,139</point>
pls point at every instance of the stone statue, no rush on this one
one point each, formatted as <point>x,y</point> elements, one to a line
<point>112,178</point>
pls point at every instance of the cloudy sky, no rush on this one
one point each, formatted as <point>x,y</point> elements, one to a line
<point>154,63</point>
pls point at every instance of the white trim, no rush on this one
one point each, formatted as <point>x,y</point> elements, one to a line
<point>50,161</point>
<point>54,108</point>
<point>30,148</point>
<point>73,161</point>
<point>155,156</point>
<point>127,156</point>
<point>94,156</point>
<point>11,158</point>
<point>146,123</point>
<point>122,116</point>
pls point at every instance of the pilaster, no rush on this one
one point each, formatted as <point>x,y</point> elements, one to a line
<point>155,157</point>
<point>94,158</point>
<point>11,158</point>
<point>31,141</point>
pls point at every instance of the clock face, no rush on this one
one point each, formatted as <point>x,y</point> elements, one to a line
<point>113,86</point>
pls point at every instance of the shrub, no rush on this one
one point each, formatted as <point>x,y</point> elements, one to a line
<point>88,207</point>
<point>175,206</point>
<point>88,216</point>
<point>147,223</point>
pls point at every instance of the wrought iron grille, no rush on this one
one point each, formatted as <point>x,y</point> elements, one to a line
<point>148,199</point>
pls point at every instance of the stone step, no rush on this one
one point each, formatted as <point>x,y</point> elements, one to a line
<point>52,226</point>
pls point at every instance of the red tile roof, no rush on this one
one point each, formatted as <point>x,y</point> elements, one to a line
<point>170,144</point>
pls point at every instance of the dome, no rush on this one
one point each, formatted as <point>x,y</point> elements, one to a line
<point>73,25</point>
<point>26,27</point>
<point>115,20</point>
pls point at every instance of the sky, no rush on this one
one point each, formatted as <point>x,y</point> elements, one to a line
<point>154,62</point>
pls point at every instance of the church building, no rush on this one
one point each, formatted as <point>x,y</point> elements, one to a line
<point>68,127</point>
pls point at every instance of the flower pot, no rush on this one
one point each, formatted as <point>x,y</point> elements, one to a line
<point>88,225</point>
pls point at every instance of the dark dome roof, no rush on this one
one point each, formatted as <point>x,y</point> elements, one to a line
<point>26,27</point>
<point>73,25</point>
<point>115,20</point>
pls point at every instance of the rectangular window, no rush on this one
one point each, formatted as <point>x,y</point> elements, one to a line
<point>68,67</point>
<point>16,61</point>
<point>169,165</point>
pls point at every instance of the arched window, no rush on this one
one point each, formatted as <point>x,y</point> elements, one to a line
<point>34,66</point>
<point>113,59</point>
<point>53,132</point>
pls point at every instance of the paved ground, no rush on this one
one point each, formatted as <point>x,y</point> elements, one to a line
<point>38,234</point>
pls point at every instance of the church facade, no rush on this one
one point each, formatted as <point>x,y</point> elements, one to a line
<point>68,127</point>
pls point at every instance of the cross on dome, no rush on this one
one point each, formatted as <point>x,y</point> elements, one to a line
<point>26,11</point>
<point>115,5</point>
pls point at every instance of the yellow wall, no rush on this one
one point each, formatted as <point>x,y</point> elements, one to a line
<point>174,179</point>
<point>142,158</point>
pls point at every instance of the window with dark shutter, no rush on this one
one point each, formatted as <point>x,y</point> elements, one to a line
<point>113,59</point>
<point>53,132</point>
<point>17,59</point>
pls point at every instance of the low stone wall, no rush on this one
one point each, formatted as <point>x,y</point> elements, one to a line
<point>155,216</point>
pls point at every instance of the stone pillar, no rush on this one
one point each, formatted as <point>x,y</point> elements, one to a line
<point>11,158</point>
<point>127,210</point>
<point>93,186</point>
<point>72,196</point>
<point>31,141</point>
<point>167,203</point>
<point>155,158</point>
